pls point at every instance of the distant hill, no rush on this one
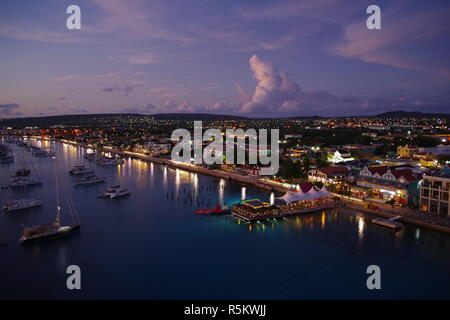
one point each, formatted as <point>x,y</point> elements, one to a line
<point>98,119</point>
<point>109,118</point>
<point>411,114</point>
<point>57,120</point>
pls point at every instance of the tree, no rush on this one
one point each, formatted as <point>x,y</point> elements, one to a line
<point>424,141</point>
<point>289,169</point>
<point>322,160</point>
<point>305,166</point>
<point>443,159</point>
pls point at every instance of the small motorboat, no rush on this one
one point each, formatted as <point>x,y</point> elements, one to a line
<point>21,204</point>
<point>389,223</point>
<point>90,180</point>
<point>115,192</point>
<point>80,170</point>
<point>216,210</point>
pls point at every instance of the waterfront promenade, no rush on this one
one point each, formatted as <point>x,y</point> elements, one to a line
<point>409,216</point>
<point>221,174</point>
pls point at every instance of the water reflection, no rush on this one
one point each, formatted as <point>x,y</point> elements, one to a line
<point>361,225</point>
<point>221,191</point>
<point>323,219</point>
<point>195,185</point>
<point>165,176</point>
<point>243,193</point>
<point>177,180</point>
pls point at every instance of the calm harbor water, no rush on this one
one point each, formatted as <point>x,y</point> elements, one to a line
<point>151,245</point>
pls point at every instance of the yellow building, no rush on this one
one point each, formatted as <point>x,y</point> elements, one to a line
<point>407,151</point>
<point>427,162</point>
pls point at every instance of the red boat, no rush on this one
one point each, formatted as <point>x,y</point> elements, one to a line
<point>217,210</point>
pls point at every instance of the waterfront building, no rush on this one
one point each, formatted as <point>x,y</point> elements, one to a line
<point>333,175</point>
<point>385,183</point>
<point>434,192</point>
<point>428,162</point>
<point>304,200</point>
<point>438,150</point>
<point>339,156</point>
<point>293,136</point>
<point>407,151</point>
<point>250,170</point>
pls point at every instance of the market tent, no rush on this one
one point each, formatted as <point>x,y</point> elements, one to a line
<point>323,192</point>
<point>312,194</point>
<point>292,196</point>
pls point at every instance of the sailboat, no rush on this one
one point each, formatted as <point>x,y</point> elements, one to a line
<point>115,192</point>
<point>22,177</point>
<point>21,204</point>
<point>53,229</point>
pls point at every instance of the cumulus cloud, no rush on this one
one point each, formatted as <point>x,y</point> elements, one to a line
<point>8,108</point>
<point>172,106</point>
<point>220,105</point>
<point>277,93</point>
<point>275,90</point>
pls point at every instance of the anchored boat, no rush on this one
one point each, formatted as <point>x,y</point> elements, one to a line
<point>389,223</point>
<point>115,192</point>
<point>90,180</point>
<point>23,181</point>
<point>22,177</point>
<point>21,204</point>
<point>80,170</point>
<point>216,210</point>
<point>53,229</point>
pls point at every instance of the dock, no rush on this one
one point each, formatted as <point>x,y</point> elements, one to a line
<point>391,223</point>
<point>280,214</point>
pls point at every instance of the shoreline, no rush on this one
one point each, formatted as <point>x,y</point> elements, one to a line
<point>401,219</point>
<point>254,181</point>
<point>185,166</point>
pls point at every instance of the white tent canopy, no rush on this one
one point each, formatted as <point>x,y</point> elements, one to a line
<point>292,196</point>
<point>323,192</point>
<point>312,194</point>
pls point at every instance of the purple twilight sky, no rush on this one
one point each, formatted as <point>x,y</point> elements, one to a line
<point>253,58</point>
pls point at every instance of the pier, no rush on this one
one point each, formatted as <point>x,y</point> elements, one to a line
<point>257,210</point>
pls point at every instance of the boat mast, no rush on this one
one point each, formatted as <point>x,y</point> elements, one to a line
<point>58,205</point>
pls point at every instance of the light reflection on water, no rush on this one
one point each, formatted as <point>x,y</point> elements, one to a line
<point>360,227</point>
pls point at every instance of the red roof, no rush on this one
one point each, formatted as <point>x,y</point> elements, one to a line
<point>405,173</point>
<point>380,170</point>
<point>333,170</point>
<point>305,186</point>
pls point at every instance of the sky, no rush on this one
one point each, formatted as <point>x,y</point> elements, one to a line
<point>262,58</point>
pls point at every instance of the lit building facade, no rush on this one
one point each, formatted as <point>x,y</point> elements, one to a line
<point>389,183</point>
<point>407,151</point>
<point>434,193</point>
